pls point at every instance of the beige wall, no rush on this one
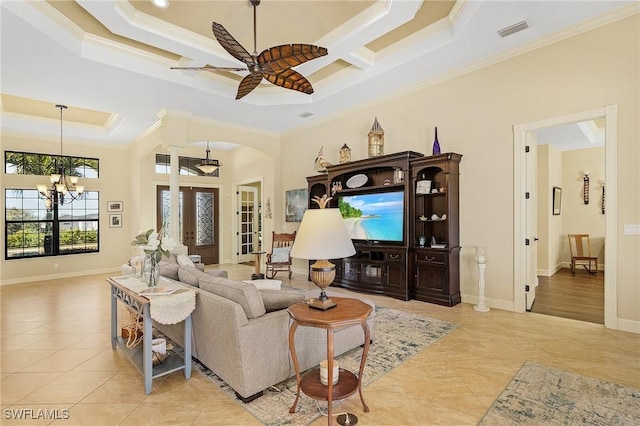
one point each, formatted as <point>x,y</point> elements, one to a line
<point>580,218</point>
<point>112,184</point>
<point>475,114</point>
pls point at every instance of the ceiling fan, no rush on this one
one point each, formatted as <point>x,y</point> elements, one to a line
<point>273,64</point>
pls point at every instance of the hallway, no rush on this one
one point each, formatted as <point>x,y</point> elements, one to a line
<point>578,295</point>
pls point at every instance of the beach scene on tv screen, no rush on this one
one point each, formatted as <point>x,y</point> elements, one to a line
<point>373,216</point>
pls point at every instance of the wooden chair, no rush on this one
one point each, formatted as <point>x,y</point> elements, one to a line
<point>580,249</point>
<point>280,257</point>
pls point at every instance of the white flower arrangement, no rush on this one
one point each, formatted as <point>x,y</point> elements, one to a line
<point>154,244</point>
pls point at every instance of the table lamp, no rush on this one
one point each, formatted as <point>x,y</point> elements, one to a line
<point>322,236</point>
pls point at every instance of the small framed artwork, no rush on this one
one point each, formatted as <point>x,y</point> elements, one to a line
<point>115,221</point>
<point>114,206</point>
<point>557,200</point>
<point>296,204</point>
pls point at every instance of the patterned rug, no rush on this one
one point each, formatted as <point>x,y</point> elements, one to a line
<point>541,395</point>
<point>398,336</point>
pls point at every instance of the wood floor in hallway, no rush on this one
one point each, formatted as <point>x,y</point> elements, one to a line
<point>566,294</point>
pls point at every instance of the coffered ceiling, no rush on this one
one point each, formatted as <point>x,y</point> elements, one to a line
<point>110,60</point>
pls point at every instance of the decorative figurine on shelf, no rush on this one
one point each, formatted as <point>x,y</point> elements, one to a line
<point>336,187</point>
<point>320,164</point>
<point>376,139</point>
<point>345,154</point>
<point>436,144</point>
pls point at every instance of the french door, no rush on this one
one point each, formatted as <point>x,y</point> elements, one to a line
<point>198,220</point>
<point>248,226</point>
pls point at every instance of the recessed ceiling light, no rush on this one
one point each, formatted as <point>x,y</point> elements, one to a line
<point>515,28</point>
<point>160,3</point>
<point>306,114</point>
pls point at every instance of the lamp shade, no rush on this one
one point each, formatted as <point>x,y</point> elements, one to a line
<point>322,235</point>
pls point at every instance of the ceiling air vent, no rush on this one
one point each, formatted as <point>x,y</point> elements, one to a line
<point>515,28</point>
<point>306,114</point>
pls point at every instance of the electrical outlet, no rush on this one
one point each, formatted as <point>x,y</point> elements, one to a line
<point>631,229</point>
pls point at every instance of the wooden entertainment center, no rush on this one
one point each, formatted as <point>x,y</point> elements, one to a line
<point>422,261</point>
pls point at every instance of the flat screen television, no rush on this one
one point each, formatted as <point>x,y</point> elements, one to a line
<point>374,217</point>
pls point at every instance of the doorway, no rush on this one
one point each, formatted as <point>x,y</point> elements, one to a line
<point>249,224</point>
<point>198,221</point>
<point>521,136</point>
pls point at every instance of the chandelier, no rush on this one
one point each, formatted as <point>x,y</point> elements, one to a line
<point>208,165</point>
<point>63,189</point>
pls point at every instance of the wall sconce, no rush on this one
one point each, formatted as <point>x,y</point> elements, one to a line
<point>585,188</point>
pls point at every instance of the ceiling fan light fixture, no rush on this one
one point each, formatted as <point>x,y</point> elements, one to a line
<point>163,4</point>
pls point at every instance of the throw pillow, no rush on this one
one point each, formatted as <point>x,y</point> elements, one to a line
<point>183,260</point>
<point>280,255</point>
<point>265,284</point>
<point>275,300</point>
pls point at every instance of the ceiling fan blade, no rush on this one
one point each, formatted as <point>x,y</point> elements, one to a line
<point>209,68</point>
<point>230,44</point>
<point>247,84</point>
<point>283,57</point>
<point>290,79</point>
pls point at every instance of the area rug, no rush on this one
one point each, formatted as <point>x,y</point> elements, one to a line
<point>543,395</point>
<point>397,337</point>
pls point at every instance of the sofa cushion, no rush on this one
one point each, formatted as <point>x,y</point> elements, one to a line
<point>190,275</point>
<point>275,300</point>
<point>246,295</point>
<point>169,269</point>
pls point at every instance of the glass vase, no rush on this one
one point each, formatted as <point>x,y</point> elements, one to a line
<point>151,271</point>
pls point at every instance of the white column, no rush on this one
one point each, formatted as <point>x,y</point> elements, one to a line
<point>481,260</point>
<point>174,189</point>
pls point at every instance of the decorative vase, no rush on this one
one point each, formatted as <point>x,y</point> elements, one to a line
<point>151,271</point>
<point>436,144</point>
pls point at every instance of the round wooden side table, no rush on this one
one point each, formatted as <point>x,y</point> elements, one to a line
<point>348,312</point>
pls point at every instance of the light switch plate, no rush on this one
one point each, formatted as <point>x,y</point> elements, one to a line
<point>631,229</point>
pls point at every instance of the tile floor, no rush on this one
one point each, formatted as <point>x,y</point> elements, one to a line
<point>56,354</point>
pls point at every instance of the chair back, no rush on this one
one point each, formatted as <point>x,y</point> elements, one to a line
<point>579,245</point>
<point>282,240</point>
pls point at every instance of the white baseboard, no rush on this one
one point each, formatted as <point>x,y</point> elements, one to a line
<point>47,277</point>
<point>549,272</point>
<point>629,325</point>
<point>492,303</point>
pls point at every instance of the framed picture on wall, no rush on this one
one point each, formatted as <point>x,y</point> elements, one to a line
<point>557,200</point>
<point>114,206</point>
<point>115,221</point>
<point>296,204</point>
